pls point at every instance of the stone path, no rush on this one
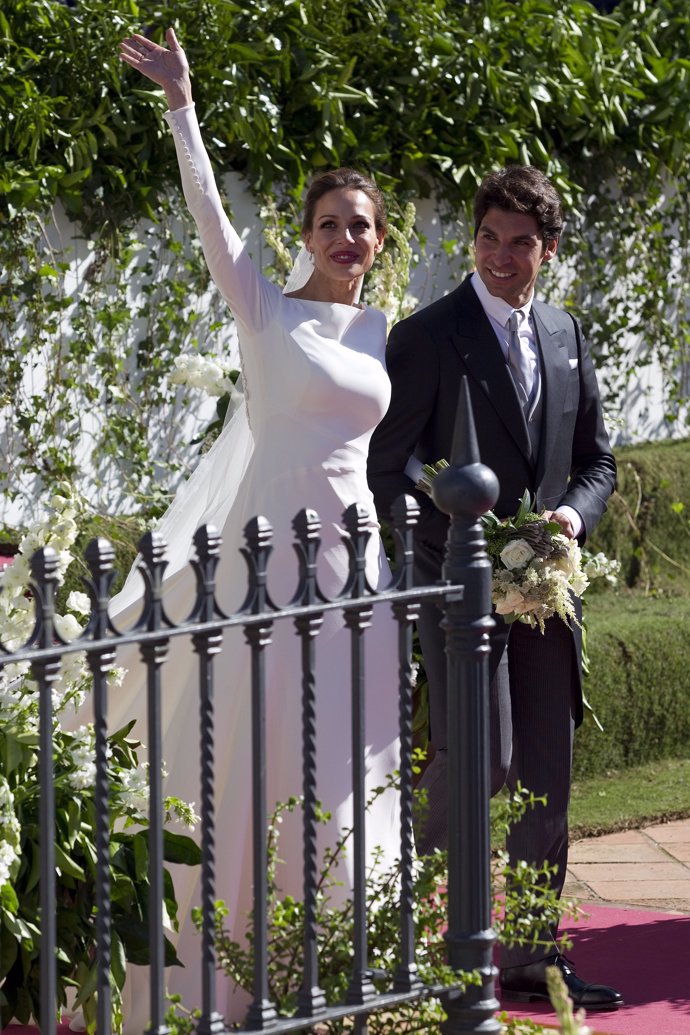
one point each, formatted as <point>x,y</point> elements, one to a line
<point>647,868</point>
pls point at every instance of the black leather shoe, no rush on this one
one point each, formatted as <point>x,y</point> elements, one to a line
<point>523,984</point>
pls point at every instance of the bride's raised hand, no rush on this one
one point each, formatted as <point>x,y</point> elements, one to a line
<point>165,66</point>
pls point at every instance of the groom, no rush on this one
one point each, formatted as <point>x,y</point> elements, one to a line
<point>539,427</point>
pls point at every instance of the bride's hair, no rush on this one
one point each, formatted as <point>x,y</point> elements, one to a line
<point>348,179</point>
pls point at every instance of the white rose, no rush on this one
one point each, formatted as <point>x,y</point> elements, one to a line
<point>516,554</point>
<point>67,626</point>
<point>79,602</point>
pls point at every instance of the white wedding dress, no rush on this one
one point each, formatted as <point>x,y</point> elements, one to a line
<point>316,387</point>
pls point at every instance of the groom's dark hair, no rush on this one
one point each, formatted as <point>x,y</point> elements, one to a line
<point>521,188</point>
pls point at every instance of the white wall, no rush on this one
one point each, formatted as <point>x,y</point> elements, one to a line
<point>642,416</point>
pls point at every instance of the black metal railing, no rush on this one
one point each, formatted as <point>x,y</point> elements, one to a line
<point>465,491</point>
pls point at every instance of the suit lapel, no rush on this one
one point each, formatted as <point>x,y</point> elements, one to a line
<point>475,341</point>
<point>553,347</point>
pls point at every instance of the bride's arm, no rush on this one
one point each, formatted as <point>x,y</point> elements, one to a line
<point>238,280</point>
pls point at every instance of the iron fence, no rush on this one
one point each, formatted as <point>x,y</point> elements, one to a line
<point>465,491</point>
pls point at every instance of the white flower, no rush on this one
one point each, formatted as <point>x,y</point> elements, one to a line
<point>116,676</point>
<point>6,798</point>
<point>599,566</point>
<point>82,778</point>
<point>79,602</point>
<point>17,575</point>
<point>8,857</point>
<point>82,751</point>
<point>67,626</point>
<point>73,669</point>
<point>516,554</point>
<point>532,589</point>
<point>510,601</point>
<point>134,790</point>
<point>202,372</point>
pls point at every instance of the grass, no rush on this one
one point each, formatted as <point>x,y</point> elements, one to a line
<point>620,800</point>
<point>626,799</point>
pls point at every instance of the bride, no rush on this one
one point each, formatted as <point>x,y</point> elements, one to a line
<point>315,388</point>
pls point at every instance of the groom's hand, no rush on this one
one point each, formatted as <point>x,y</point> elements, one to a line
<point>563,520</point>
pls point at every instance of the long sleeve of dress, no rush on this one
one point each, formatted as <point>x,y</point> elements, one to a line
<point>250,296</point>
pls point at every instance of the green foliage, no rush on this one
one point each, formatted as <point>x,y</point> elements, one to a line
<point>419,93</point>
<point>75,852</point>
<point>638,686</point>
<point>625,799</point>
<point>123,534</point>
<point>77,806</point>
<point>646,526</point>
<point>524,904</point>
<point>427,97</point>
<point>638,682</point>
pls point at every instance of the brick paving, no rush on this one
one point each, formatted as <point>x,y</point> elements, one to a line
<point>648,868</point>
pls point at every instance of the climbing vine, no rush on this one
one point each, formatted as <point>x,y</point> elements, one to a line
<point>427,96</point>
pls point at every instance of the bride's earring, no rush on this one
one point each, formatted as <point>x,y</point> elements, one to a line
<point>311,257</point>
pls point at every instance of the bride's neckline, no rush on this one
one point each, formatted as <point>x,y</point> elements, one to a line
<point>359,306</point>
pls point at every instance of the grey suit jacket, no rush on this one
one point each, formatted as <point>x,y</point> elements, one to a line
<point>428,354</point>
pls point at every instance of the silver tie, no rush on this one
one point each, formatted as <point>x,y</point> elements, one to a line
<point>519,362</point>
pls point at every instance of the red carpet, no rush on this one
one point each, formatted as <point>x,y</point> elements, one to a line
<point>645,955</point>
<point>23,1029</point>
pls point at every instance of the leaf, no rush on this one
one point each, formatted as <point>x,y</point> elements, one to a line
<point>540,93</point>
<point>16,926</point>
<point>13,753</point>
<point>136,942</point>
<point>87,982</point>
<point>524,509</point>
<point>8,898</point>
<point>141,857</point>
<point>179,848</point>
<point>67,865</point>
<point>118,964</point>
<point>9,949</point>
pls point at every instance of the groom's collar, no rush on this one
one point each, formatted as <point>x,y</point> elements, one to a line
<point>497,308</point>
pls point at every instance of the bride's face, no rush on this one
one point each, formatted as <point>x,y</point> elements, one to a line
<point>343,239</point>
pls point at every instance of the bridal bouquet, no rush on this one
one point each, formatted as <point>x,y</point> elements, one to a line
<point>536,569</point>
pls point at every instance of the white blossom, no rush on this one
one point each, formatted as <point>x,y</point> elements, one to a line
<point>79,602</point>
<point>516,554</point>
<point>83,777</point>
<point>134,790</point>
<point>598,566</point>
<point>8,857</point>
<point>116,676</point>
<point>68,627</point>
<point>202,372</point>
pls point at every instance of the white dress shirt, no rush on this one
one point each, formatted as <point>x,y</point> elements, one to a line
<point>498,312</point>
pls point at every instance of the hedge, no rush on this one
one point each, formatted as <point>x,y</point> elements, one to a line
<point>647,525</point>
<point>639,683</point>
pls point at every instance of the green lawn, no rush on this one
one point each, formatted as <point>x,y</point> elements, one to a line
<point>627,798</point>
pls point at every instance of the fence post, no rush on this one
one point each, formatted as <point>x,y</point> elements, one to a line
<point>154,653</point>
<point>207,645</point>
<point>44,583</point>
<point>465,491</point>
<point>100,557</point>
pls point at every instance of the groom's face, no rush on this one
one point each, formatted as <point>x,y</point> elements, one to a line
<point>509,250</point>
